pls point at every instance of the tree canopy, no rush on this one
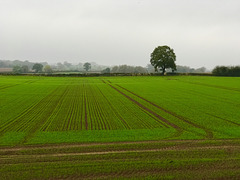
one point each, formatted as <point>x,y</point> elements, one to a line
<point>87,66</point>
<point>37,67</point>
<point>226,71</point>
<point>107,70</point>
<point>162,58</point>
<point>48,69</point>
<point>17,70</point>
<point>128,69</point>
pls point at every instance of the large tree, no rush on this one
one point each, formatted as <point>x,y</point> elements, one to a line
<point>37,67</point>
<point>87,66</point>
<point>162,58</point>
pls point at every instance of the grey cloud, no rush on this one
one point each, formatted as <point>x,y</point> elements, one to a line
<point>202,33</point>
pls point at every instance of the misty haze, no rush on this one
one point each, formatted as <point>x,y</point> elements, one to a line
<point>119,89</point>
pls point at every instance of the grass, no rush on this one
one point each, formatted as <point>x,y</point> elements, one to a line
<point>133,127</point>
<point>71,109</point>
<point>173,159</point>
<point>100,136</point>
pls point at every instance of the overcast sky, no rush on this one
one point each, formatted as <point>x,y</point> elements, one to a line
<point>113,32</point>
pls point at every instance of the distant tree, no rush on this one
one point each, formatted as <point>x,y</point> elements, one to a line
<point>162,58</point>
<point>79,66</point>
<point>87,66</point>
<point>48,69</point>
<point>17,70</point>
<point>67,64</point>
<point>226,71</point>
<point>37,67</point>
<point>107,70</point>
<point>186,69</point>
<point>149,68</point>
<point>128,69</point>
<point>4,64</point>
<point>114,69</point>
<point>123,69</point>
<point>139,69</point>
<point>24,69</point>
<point>201,70</point>
<point>220,71</point>
<point>60,67</point>
<point>235,71</point>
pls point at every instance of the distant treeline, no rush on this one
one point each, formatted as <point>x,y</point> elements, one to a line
<point>19,67</point>
<point>58,67</point>
<point>150,69</point>
<point>186,69</point>
<point>12,64</point>
<point>128,69</point>
<point>226,71</point>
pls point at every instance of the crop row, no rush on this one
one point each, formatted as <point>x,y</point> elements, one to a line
<point>34,116</point>
<point>211,108</point>
<point>80,105</point>
<point>49,104</point>
<point>95,107</point>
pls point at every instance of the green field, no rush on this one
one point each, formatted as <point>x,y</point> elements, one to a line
<point>133,127</point>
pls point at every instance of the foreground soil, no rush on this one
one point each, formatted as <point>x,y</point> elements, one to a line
<point>169,159</point>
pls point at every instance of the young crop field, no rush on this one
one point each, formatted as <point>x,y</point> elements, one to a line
<point>119,127</point>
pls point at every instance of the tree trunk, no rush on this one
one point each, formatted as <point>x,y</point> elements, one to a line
<point>163,70</point>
